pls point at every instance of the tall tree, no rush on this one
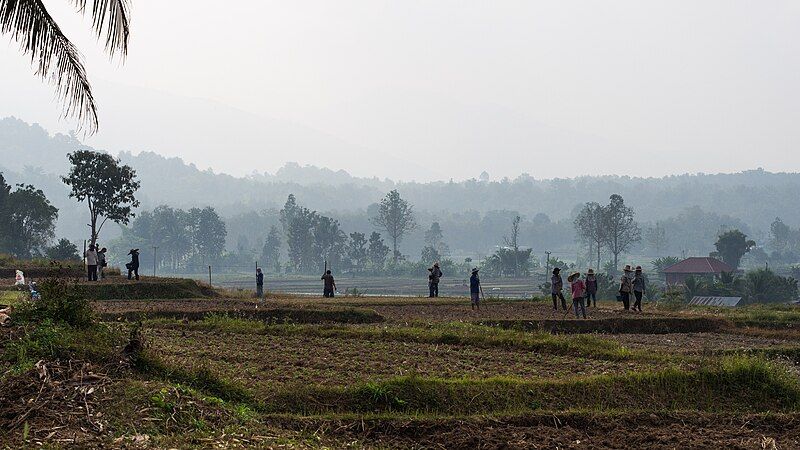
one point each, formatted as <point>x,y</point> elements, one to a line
<point>435,238</point>
<point>329,241</point>
<point>732,246</point>
<point>5,214</point>
<point>357,251</point>
<point>208,233</point>
<point>107,186</point>
<point>55,57</point>
<point>271,252</point>
<point>621,230</point>
<point>288,212</point>
<point>657,237</point>
<point>591,228</point>
<point>780,235</point>
<point>513,242</point>
<point>32,221</point>
<point>396,217</point>
<point>300,241</point>
<point>377,251</point>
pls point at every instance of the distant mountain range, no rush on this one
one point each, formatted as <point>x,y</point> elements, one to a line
<point>29,154</point>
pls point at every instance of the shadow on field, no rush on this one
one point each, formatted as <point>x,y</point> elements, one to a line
<point>615,325</point>
<point>270,316</point>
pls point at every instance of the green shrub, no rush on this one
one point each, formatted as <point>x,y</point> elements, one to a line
<point>61,302</point>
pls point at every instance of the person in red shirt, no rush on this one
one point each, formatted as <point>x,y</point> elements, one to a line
<point>578,292</point>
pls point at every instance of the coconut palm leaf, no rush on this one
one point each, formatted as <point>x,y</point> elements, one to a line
<point>54,55</point>
<point>56,58</point>
<point>109,17</point>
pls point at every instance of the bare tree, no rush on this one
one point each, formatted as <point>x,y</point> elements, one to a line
<point>513,242</point>
<point>621,230</point>
<point>396,217</point>
<point>657,238</point>
<point>590,227</point>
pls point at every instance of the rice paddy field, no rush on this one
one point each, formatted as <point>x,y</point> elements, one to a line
<point>206,368</point>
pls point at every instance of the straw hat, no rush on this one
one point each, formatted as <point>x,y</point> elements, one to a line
<point>573,276</point>
<point>475,270</point>
<point>627,268</point>
<point>556,270</point>
<point>638,268</point>
<point>590,272</point>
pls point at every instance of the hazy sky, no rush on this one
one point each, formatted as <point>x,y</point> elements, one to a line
<point>443,89</point>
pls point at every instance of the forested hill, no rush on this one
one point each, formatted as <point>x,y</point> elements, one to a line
<point>750,199</point>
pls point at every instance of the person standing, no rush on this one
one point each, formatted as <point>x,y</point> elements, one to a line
<point>259,283</point>
<point>556,285</point>
<point>133,265</point>
<point>475,289</point>
<point>329,286</point>
<point>91,263</point>
<point>625,288</point>
<point>436,275</point>
<point>638,288</point>
<point>101,262</point>
<point>591,288</point>
<point>578,289</point>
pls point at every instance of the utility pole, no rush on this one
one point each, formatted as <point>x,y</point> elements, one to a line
<point>155,249</point>
<point>547,264</point>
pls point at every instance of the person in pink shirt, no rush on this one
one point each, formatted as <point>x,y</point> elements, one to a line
<point>578,292</point>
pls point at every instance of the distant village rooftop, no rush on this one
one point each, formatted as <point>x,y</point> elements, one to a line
<point>703,266</point>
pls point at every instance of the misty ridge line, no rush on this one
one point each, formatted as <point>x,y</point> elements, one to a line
<point>310,173</point>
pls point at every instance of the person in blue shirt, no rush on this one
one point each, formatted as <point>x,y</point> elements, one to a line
<point>475,289</point>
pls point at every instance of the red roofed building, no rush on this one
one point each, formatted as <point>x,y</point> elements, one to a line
<point>705,267</point>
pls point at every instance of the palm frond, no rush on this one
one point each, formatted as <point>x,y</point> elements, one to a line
<point>110,16</point>
<point>54,56</point>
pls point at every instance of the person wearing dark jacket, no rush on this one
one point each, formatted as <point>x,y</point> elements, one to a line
<point>475,289</point>
<point>591,288</point>
<point>434,277</point>
<point>556,285</point>
<point>329,286</point>
<point>133,266</point>
<point>259,283</point>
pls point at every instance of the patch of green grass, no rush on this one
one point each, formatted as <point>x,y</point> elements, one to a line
<point>48,340</point>
<point>455,333</point>
<point>734,384</point>
<point>149,288</point>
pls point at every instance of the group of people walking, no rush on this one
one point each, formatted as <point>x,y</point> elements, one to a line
<point>584,291</point>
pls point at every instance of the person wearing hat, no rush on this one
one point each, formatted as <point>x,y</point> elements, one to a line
<point>556,285</point>
<point>591,288</point>
<point>578,290</point>
<point>434,277</point>
<point>625,287</point>
<point>133,265</point>
<point>475,289</point>
<point>259,283</point>
<point>638,288</point>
